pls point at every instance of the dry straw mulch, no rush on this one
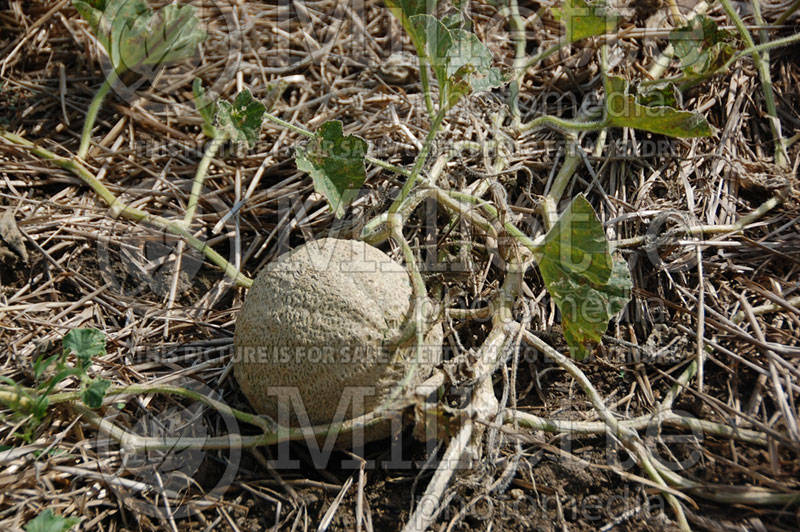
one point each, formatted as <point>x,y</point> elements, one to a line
<point>733,298</point>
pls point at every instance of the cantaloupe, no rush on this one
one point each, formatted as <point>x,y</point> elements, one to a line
<point>320,320</point>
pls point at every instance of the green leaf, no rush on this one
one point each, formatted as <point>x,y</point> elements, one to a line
<point>135,36</point>
<point>85,343</point>
<point>461,63</point>
<point>587,284</point>
<point>206,106</point>
<point>336,164</point>
<point>583,20</point>
<point>241,120</point>
<point>47,521</point>
<point>584,325</point>
<point>94,394</point>
<point>701,46</point>
<point>622,110</point>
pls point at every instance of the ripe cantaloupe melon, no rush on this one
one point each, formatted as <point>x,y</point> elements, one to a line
<point>318,321</point>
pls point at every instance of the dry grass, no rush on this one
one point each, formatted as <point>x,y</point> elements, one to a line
<point>733,297</point>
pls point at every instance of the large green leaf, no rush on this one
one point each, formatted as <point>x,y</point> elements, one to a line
<point>241,120</point>
<point>586,308</point>
<point>461,63</point>
<point>622,110</point>
<point>336,164</point>
<point>588,285</point>
<point>701,46</point>
<point>135,36</point>
<point>582,19</point>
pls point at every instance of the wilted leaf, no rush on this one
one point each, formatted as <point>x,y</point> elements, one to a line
<point>582,19</point>
<point>47,521</point>
<point>336,164</point>
<point>622,110</point>
<point>135,36</point>
<point>587,284</point>
<point>577,244</point>
<point>241,120</point>
<point>701,46</point>
<point>85,343</point>
<point>94,393</point>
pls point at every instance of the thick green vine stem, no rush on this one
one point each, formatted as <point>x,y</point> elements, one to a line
<point>517,31</point>
<point>562,124</point>
<point>200,176</point>
<point>91,113</point>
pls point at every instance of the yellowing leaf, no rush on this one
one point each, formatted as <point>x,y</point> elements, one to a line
<point>582,19</point>
<point>622,110</point>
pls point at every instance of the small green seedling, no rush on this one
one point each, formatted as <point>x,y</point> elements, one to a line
<point>47,521</point>
<point>238,121</point>
<point>33,403</point>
